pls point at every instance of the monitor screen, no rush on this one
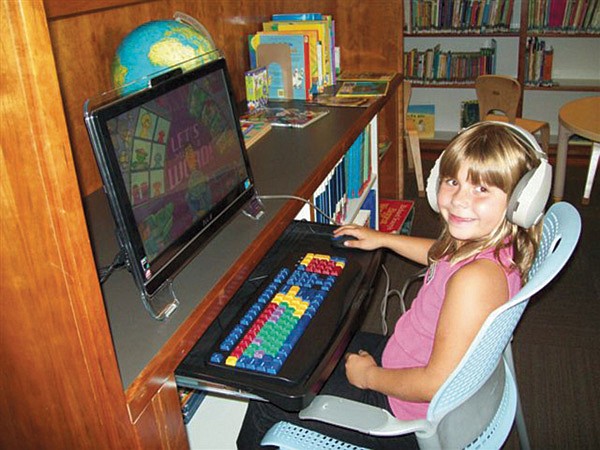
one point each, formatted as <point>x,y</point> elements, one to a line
<point>174,167</point>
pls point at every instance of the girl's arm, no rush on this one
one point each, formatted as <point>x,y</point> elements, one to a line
<point>472,293</point>
<point>413,248</point>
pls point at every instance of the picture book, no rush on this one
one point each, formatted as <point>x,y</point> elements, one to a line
<point>286,117</point>
<point>363,89</point>
<point>366,76</point>
<point>423,117</point>
<point>253,131</point>
<point>257,88</point>
<point>469,113</point>
<point>313,55</point>
<point>286,57</point>
<point>332,100</point>
<point>298,16</point>
<point>395,216</point>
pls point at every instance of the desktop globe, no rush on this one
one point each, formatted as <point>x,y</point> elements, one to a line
<point>156,46</point>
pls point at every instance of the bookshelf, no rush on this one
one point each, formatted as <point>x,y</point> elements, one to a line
<point>575,71</point>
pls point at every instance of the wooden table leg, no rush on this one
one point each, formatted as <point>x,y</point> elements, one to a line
<point>561,162</point>
<point>589,181</point>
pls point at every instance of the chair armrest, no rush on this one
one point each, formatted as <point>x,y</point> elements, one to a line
<point>359,416</point>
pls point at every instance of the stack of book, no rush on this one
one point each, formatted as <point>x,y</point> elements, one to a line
<point>298,51</point>
<point>460,16</point>
<point>348,181</point>
<point>190,400</point>
<point>538,62</point>
<point>436,66</point>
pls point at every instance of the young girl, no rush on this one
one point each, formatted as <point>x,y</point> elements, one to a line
<point>479,262</point>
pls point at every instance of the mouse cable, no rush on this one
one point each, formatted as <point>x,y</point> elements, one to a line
<point>293,197</point>
<point>384,301</point>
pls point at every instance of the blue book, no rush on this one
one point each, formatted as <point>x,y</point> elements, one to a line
<point>298,16</point>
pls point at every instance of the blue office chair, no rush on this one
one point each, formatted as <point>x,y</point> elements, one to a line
<point>479,401</point>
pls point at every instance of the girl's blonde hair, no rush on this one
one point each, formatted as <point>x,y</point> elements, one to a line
<point>497,157</point>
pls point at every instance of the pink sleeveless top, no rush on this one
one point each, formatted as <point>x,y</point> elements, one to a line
<point>412,342</point>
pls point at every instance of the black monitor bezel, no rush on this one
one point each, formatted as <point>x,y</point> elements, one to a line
<point>173,259</point>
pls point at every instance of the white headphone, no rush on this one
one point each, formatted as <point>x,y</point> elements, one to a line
<point>528,200</point>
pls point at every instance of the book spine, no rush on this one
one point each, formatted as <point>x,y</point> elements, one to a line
<point>299,16</point>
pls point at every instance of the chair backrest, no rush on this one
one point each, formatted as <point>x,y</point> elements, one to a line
<point>561,230</point>
<point>498,93</point>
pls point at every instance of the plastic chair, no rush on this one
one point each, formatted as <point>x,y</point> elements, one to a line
<point>479,401</point>
<point>501,93</point>
<point>412,142</point>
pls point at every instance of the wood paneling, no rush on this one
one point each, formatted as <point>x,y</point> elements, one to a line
<point>60,386</point>
<point>158,427</point>
<point>62,8</point>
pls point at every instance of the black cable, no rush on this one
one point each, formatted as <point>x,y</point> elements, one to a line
<point>119,261</point>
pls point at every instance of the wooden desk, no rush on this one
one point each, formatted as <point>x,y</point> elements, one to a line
<point>581,117</point>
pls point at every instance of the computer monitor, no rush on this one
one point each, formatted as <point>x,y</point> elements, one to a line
<point>174,167</point>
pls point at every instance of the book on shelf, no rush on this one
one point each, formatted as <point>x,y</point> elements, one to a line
<point>313,55</point>
<point>332,100</point>
<point>563,16</point>
<point>538,62</point>
<point>297,16</point>
<point>366,76</point>
<point>190,400</point>
<point>285,117</point>
<point>363,89</point>
<point>437,66</point>
<point>287,59</point>
<point>469,113</point>
<point>370,205</point>
<point>257,88</point>
<point>458,16</point>
<point>348,181</point>
<point>423,117</point>
<point>395,216</point>
<point>253,131</point>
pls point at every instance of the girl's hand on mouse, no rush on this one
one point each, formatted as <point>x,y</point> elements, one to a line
<point>367,239</point>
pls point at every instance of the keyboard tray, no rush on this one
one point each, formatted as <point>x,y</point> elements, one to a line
<point>320,347</point>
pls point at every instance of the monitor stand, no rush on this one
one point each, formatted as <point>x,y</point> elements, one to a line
<point>162,304</point>
<point>254,208</point>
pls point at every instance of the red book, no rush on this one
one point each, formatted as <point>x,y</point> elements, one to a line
<point>395,216</point>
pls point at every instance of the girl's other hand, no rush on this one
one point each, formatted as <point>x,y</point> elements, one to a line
<point>357,368</point>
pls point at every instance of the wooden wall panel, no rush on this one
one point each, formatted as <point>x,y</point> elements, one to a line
<point>160,426</point>
<point>59,384</point>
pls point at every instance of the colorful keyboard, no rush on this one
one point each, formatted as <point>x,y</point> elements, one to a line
<point>264,337</point>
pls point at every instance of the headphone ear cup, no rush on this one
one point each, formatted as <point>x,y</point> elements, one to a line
<point>528,200</point>
<point>433,184</point>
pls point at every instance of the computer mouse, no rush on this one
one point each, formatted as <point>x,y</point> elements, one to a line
<point>338,241</point>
